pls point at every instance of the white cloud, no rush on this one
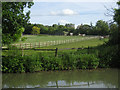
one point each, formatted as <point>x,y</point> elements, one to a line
<point>68,12</point>
<point>53,13</point>
<point>63,21</point>
<point>64,12</point>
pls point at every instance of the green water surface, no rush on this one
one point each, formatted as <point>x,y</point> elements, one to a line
<point>99,78</point>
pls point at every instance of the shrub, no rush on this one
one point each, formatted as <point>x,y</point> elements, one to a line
<point>87,61</point>
<point>107,55</point>
<point>12,64</point>
<point>23,38</point>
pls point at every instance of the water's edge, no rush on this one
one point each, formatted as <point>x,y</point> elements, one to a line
<point>98,78</point>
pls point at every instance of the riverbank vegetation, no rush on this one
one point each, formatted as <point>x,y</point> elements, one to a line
<point>68,60</point>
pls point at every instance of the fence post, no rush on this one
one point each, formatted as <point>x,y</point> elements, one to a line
<point>15,45</point>
<point>56,52</point>
<point>25,45</point>
<point>35,45</point>
<point>59,41</point>
<point>22,52</point>
<point>88,49</point>
<point>54,42</point>
<point>46,43</point>
<point>39,44</point>
<point>20,46</point>
<point>30,45</point>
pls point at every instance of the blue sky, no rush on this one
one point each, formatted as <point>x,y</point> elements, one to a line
<point>48,13</point>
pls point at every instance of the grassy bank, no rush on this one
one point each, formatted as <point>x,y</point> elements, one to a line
<point>97,57</point>
<point>41,61</point>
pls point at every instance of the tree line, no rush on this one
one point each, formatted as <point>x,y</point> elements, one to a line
<point>101,28</point>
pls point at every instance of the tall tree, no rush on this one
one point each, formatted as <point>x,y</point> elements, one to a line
<point>113,39</point>
<point>13,20</point>
<point>102,27</point>
<point>117,20</point>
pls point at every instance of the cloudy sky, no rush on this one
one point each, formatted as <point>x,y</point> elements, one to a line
<point>76,12</point>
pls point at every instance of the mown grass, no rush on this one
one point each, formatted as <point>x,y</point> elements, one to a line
<point>85,43</point>
<point>37,38</point>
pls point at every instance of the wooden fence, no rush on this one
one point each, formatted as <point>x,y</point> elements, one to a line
<point>49,43</point>
<point>56,49</point>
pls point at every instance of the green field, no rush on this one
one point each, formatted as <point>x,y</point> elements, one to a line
<point>79,41</point>
<point>79,44</point>
<point>44,38</point>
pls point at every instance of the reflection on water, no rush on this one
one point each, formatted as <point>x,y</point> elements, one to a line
<point>99,78</point>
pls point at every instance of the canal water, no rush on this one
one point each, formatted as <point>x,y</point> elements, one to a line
<point>98,78</point>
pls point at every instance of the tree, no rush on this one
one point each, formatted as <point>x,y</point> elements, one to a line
<point>84,29</point>
<point>43,29</point>
<point>102,27</point>
<point>13,20</point>
<point>115,37</point>
<point>70,25</point>
<point>117,20</point>
<point>35,30</point>
<point>28,28</point>
<point>113,34</point>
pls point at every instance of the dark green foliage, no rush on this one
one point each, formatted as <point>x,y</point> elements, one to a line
<point>13,20</point>
<point>108,56</point>
<point>115,34</point>
<point>83,29</point>
<point>12,64</point>
<point>23,38</point>
<point>117,14</point>
<point>15,62</point>
<point>88,61</point>
<point>104,56</point>
<point>113,39</point>
<point>102,27</point>
<point>28,28</point>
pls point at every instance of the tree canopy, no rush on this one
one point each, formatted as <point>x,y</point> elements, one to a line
<point>35,30</point>
<point>14,20</point>
<point>117,19</point>
<point>102,27</point>
<point>115,29</point>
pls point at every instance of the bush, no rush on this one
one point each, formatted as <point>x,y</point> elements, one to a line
<point>69,60</point>
<point>23,38</point>
<point>87,61</point>
<point>15,62</point>
<point>12,64</point>
<point>108,56</point>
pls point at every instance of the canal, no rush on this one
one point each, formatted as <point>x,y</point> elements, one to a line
<point>98,78</point>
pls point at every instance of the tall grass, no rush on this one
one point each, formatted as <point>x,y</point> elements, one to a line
<point>44,62</point>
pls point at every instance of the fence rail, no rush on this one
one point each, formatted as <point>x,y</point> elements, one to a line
<point>49,43</point>
<point>56,49</point>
